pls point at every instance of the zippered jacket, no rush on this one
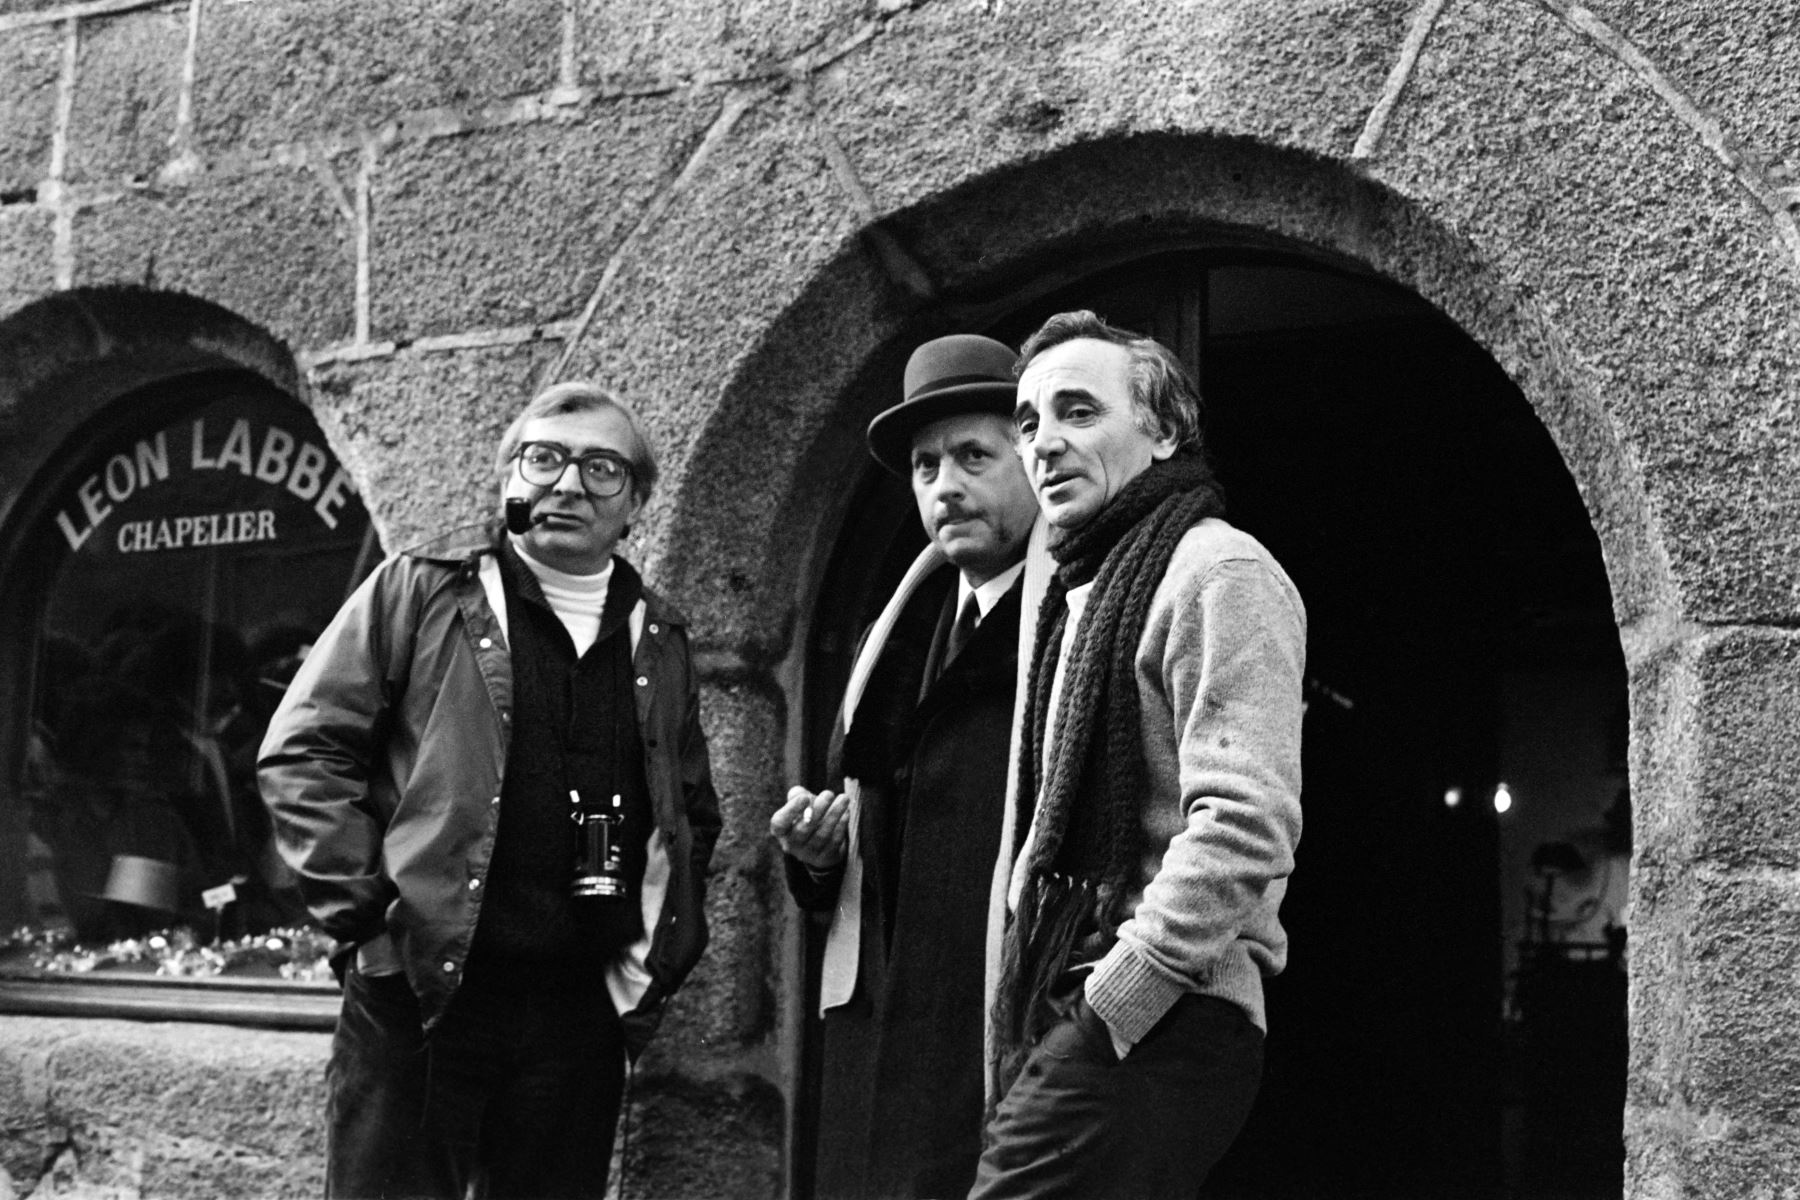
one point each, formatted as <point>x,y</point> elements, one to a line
<point>383,769</point>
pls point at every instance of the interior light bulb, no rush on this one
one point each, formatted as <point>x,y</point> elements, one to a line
<point>1503,798</point>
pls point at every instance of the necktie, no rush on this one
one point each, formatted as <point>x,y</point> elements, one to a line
<point>963,630</point>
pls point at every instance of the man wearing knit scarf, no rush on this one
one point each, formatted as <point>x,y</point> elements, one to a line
<point>1158,778</point>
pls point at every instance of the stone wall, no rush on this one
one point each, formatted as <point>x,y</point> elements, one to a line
<point>115,1109</point>
<point>741,213</point>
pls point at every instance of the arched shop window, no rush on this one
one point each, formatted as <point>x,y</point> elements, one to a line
<point>178,558</point>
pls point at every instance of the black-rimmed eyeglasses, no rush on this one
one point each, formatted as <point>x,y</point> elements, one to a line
<point>603,473</point>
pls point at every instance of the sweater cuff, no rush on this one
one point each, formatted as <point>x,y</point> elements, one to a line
<point>1129,994</point>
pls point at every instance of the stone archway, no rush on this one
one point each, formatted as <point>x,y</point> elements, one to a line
<point>801,394</point>
<point>755,530</point>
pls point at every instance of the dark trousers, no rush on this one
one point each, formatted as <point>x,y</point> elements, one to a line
<point>1080,1123</point>
<point>516,1094</point>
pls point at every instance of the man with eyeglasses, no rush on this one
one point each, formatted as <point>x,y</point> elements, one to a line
<point>490,778</point>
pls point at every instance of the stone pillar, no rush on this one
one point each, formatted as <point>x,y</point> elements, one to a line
<point>708,1110</point>
<point>1714,1086</point>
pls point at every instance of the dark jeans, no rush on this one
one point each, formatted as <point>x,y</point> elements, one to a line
<point>1080,1123</point>
<point>516,1095</point>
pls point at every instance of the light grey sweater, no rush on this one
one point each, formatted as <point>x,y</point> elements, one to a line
<point>1219,670</point>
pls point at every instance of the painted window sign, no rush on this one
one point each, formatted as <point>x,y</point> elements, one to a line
<point>188,566</point>
<point>164,490</point>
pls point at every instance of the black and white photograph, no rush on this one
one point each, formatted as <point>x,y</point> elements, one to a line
<point>899,600</point>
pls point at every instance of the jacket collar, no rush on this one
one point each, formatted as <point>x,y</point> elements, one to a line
<point>461,546</point>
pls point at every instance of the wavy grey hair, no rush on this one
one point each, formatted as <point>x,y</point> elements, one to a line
<point>1163,393</point>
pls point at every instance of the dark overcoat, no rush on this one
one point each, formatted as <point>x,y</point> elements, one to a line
<point>900,1097</point>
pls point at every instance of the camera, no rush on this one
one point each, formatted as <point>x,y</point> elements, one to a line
<point>599,860</point>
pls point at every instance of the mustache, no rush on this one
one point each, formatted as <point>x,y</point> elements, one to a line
<point>954,512</point>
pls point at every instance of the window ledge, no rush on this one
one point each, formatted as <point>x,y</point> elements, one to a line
<point>266,1002</point>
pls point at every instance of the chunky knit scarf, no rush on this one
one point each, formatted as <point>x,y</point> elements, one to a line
<point>1087,838</point>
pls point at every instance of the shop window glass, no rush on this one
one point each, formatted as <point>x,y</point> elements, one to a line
<point>184,568</point>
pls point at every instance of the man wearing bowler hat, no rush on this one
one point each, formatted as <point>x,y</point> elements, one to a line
<point>903,855</point>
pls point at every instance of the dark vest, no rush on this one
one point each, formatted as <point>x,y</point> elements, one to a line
<point>574,728</point>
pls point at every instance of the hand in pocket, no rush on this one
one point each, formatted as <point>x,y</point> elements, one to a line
<point>1083,1035</point>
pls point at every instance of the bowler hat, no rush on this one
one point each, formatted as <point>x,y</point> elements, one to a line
<point>962,373</point>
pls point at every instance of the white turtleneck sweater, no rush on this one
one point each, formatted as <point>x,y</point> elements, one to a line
<point>577,600</point>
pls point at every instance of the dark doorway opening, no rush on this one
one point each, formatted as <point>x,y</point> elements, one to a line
<point>1450,1023</point>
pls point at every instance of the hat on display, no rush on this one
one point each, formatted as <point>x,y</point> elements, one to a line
<point>144,882</point>
<point>962,373</point>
